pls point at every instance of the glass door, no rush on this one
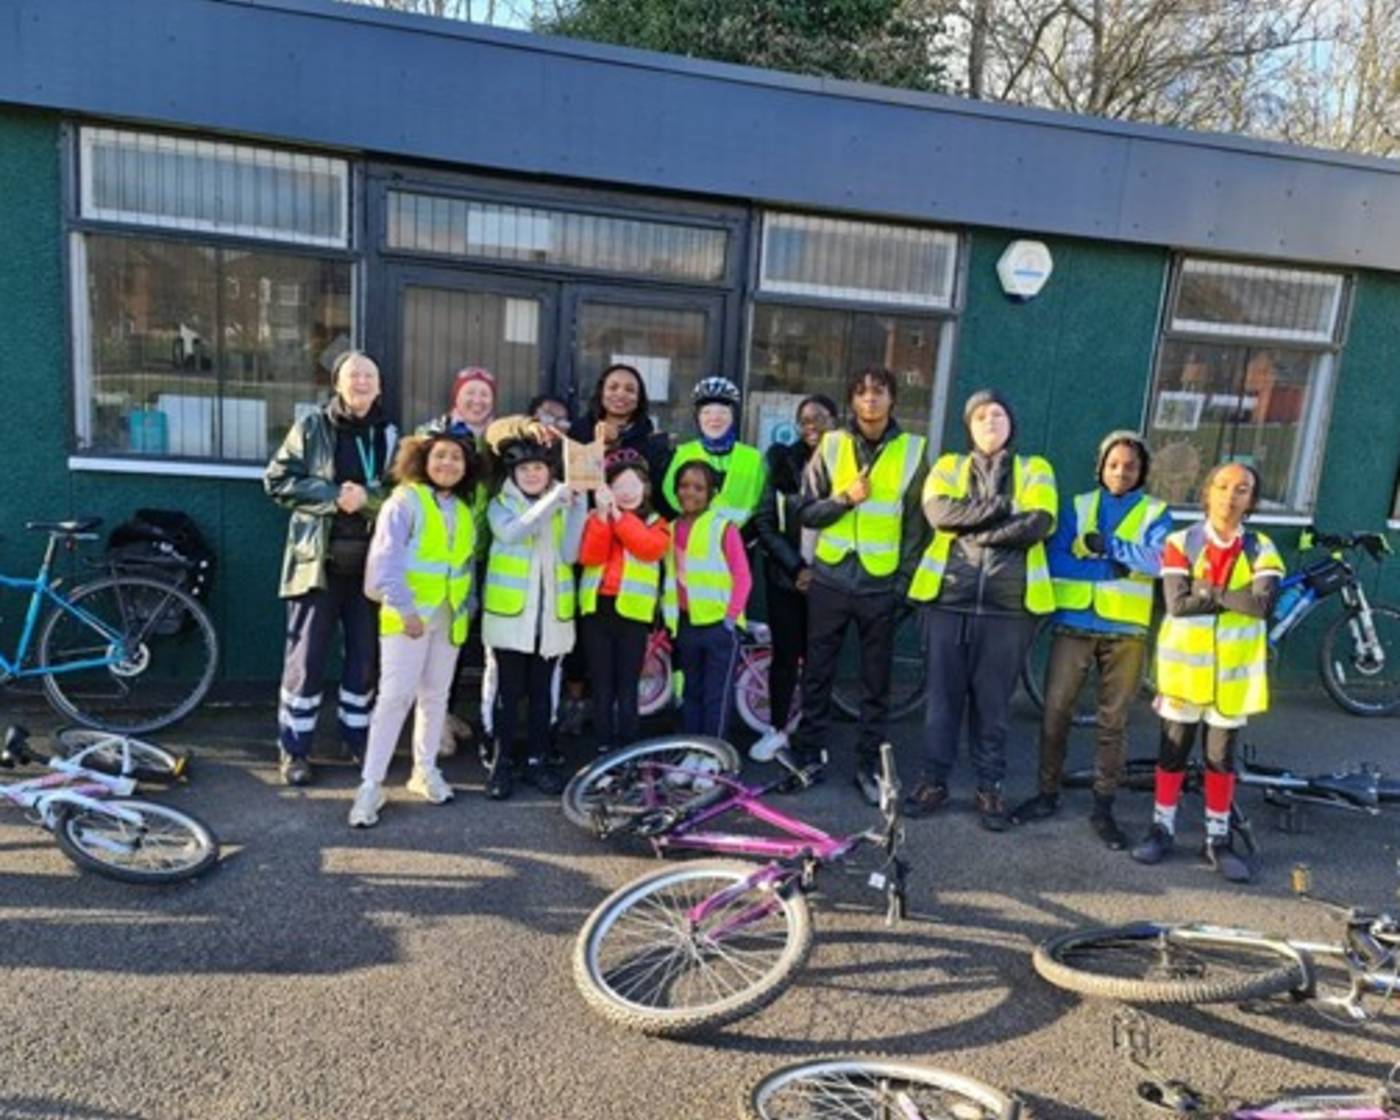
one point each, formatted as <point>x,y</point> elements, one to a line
<point>673,339</point>
<point>448,319</point>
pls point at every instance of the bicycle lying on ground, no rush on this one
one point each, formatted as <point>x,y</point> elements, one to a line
<point>859,1089</point>
<point>1359,655</point>
<point>1132,1040</point>
<point>1363,788</point>
<point>121,652</point>
<point>99,826</point>
<point>698,945</point>
<point>1190,963</point>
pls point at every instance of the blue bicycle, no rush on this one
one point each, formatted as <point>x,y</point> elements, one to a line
<point>123,652</point>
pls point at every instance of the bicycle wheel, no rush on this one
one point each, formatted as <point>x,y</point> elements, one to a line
<point>906,675</point>
<point>1364,682</point>
<point>752,698</point>
<point>120,754</point>
<point>155,644</point>
<point>635,780</point>
<point>1151,962</point>
<point>654,689</point>
<point>873,1090</point>
<point>644,960</point>
<point>165,847</point>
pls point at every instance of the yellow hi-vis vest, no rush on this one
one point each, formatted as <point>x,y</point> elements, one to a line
<point>708,585</point>
<point>744,473</point>
<point>1128,599</point>
<point>1218,659</point>
<point>872,528</point>
<point>508,568</point>
<point>438,571</point>
<point>1032,488</point>
<point>638,592</point>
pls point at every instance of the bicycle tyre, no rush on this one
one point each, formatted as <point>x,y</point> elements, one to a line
<point>873,1089</point>
<point>792,933</point>
<point>1139,776</point>
<point>654,691</point>
<point>605,790</point>
<point>195,849</point>
<point>751,695</point>
<point>65,690</point>
<point>1331,668</point>
<point>1054,961</point>
<point>106,753</point>
<point>906,677</point>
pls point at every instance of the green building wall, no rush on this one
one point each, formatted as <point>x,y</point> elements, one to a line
<point>1075,362</point>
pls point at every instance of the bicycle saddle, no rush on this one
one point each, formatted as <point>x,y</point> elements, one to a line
<point>69,528</point>
<point>1358,787</point>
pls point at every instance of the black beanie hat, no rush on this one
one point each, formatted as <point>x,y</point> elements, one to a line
<point>988,396</point>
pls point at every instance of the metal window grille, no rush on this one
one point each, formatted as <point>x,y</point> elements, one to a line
<point>177,182</point>
<point>1249,301</point>
<point>462,227</point>
<point>871,262</point>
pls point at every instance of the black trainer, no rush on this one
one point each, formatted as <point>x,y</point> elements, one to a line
<point>296,769</point>
<point>867,779</point>
<point>1041,807</point>
<point>991,809</point>
<point>1155,847</point>
<point>1220,855</point>
<point>1104,826</point>
<point>544,776</point>
<point>925,798</point>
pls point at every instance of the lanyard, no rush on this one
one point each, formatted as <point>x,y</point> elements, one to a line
<point>366,450</point>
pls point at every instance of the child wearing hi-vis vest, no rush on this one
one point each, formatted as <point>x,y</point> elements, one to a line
<point>419,568</point>
<point>528,603</point>
<point>1218,580</point>
<point>624,543</point>
<point>707,587</point>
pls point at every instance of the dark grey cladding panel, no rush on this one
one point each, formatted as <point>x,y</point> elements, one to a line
<point>318,73</point>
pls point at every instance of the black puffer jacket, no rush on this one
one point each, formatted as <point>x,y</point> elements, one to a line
<point>640,436</point>
<point>986,571</point>
<point>775,521</point>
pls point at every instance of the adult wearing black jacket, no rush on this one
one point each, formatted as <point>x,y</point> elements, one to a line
<point>618,414</point>
<point>787,574</point>
<point>861,497</point>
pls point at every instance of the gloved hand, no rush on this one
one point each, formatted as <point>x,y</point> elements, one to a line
<point>1094,542</point>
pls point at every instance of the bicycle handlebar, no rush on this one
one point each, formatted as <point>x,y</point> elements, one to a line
<point>1376,545</point>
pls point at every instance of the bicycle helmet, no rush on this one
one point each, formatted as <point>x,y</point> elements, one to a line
<point>516,451</point>
<point>625,459</point>
<point>715,390</point>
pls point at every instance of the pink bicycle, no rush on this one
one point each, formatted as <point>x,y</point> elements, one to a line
<point>701,944</point>
<point>657,690</point>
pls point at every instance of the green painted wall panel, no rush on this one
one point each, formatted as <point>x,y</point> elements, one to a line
<point>1075,361</point>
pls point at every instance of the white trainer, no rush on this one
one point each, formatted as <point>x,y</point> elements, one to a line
<point>768,745</point>
<point>430,785</point>
<point>369,799</point>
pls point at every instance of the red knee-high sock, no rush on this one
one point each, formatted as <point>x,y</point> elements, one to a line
<point>1168,792</point>
<point>1220,795</point>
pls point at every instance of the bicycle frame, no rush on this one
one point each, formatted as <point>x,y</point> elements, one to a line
<point>69,784</point>
<point>42,590</point>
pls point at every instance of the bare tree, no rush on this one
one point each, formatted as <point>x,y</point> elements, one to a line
<point>1194,63</point>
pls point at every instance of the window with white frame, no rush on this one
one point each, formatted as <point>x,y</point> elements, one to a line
<point>836,295</point>
<point>212,290</point>
<point>1244,372</point>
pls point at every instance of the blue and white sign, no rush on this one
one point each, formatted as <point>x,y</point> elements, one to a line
<point>1024,268</point>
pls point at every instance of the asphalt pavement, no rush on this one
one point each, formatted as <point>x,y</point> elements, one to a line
<point>422,969</point>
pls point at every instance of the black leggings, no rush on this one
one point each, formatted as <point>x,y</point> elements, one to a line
<point>1179,738</point>
<point>528,677</point>
<point>615,647</point>
<point>787,619</point>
